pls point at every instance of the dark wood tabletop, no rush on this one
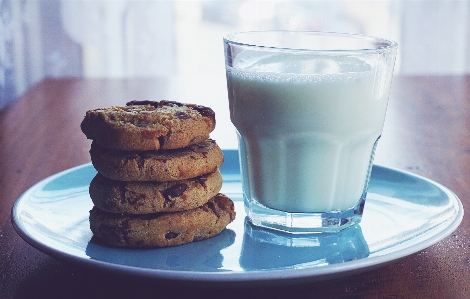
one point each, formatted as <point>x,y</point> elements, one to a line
<point>427,132</point>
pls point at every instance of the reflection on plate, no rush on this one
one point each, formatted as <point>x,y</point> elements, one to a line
<point>264,249</point>
<point>404,214</point>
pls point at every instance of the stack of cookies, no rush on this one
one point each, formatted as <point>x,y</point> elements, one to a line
<point>158,177</point>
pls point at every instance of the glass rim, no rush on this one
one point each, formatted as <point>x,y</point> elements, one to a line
<point>382,43</point>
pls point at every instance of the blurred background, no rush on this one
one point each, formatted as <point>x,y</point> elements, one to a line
<point>180,42</point>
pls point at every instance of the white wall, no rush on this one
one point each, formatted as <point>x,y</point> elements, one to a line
<point>435,37</point>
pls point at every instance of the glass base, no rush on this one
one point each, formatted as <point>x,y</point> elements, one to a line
<point>301,223</point>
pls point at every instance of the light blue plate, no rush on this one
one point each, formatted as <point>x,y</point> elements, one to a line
<point>404,213</point>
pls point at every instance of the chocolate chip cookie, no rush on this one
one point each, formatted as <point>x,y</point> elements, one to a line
<point>163,229</point>
<point>152,197</point>
<point>161,165</point>
<point>147,125</point>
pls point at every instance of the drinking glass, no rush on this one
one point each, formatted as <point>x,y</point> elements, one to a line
<point>309,109</point>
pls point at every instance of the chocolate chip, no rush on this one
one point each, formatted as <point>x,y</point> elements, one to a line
<point>203,147</point>
<point>134,197</point>
<point>125,224</point>
<point>203,178</point>
<point>155,103</point>
<point>175,191</point>
<point>182,115</point>
<point>131,156</point>
<point>132,200</point>
<point>170,103</point>
<point>214,208</point>
<point>141,124</point>
<point>151,103</point>
<point>204,111</point>
<point>171,235</point>
<point>118,234</point>
<point>162,140</point>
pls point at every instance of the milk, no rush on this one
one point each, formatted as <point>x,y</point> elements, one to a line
<point>307,128</point>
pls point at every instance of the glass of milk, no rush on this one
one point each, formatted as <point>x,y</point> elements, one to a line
<point>309,109</point>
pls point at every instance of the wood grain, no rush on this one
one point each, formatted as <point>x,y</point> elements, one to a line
<point>427,132</point>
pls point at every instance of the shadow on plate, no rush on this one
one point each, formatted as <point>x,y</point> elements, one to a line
<point>265,249</point>
<point>201,256</point>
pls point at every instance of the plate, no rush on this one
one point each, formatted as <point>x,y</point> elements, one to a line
<point>404,213</point>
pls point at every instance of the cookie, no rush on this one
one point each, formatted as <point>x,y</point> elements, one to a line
<point>163,229</point>
<point>152,197</point>
<point>160,166</point>
<point>148,125</point>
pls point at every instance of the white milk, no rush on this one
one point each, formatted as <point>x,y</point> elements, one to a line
<point>307,138</point>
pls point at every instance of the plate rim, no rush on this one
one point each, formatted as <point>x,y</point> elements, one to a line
<point>240,278</point>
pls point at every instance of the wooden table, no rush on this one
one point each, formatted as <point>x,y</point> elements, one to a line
<point>427,132</point>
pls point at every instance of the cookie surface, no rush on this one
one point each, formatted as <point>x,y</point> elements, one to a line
<point>163,229</point>
<point>149,125</point>
<point>159,166</point>
<point>153,197</point>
